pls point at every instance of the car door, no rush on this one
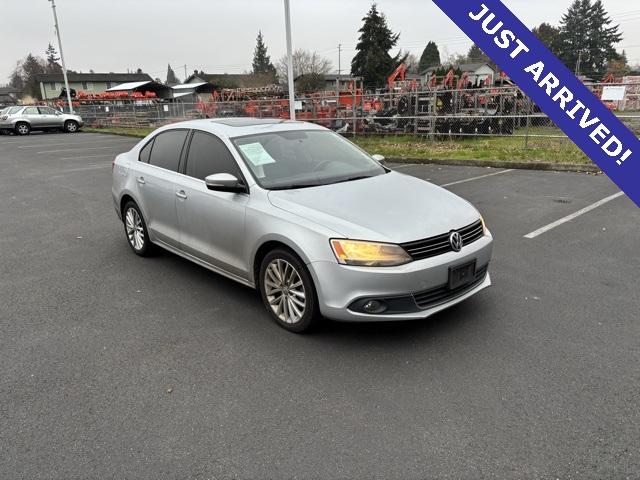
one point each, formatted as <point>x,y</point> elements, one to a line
<point>49,117</point>
<point>156,176</point>
<point>212,223</point>
<point>32,115</point>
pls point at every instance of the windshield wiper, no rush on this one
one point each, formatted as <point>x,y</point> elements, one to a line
<point>351,179</point>
<point>293,186</point>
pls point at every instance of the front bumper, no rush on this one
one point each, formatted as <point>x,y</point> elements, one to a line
<point>339,286</point>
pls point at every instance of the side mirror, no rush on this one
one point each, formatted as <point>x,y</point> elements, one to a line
<point>224,182</point>
<point>379,158</point>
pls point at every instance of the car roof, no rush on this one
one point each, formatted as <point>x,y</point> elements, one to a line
<point>241,126</point>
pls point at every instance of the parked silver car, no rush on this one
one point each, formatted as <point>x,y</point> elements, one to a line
<point>317,225</point>
<point>24,119</point>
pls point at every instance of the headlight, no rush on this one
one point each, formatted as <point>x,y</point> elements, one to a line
<point>369,254</point>
<point>485,230</point>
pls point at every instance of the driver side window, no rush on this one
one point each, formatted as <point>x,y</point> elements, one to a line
<point>209,155</point>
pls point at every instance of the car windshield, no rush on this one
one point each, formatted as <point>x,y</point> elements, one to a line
<point>304,158</point>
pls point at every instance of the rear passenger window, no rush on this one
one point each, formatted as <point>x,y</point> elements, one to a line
<point>208,155</point>
<point>167,148</point>
<point>145,153</point>
<point>31,111</point>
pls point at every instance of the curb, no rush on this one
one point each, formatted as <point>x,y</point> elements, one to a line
<point>121,134</point>
<point>533,165</point>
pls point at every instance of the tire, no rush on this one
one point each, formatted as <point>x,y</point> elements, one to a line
<point>298,312</point>
<point>71,126</point>
<point>22,128</point>
<point>135,229</point>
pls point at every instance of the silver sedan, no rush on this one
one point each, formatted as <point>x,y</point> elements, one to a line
<point>317,225</point>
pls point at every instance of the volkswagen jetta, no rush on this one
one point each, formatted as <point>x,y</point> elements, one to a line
<point>317,225</point>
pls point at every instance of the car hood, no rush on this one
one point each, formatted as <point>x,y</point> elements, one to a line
<point>394,208</point>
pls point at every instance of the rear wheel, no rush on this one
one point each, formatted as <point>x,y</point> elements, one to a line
<point>136,230</point>
<point>22,128</point>
<point>71,126</point>
<point>287,291</point>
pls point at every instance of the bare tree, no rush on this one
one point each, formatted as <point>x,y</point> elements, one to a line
<point>412,62</point>
<point>304,62</point>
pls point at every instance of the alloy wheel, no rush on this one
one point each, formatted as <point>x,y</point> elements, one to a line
<point>135,230</point>
<point>285,291</point>
<point>72,127</point>
<point>23,129</point>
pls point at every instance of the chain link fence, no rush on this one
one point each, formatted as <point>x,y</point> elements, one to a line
<point>438,114</point>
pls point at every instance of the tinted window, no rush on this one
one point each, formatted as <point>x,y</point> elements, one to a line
<point>145,153</point>
<point>46,111</point>
<point>31,111</point>
<point>209,155</point>
<point>167,148</point>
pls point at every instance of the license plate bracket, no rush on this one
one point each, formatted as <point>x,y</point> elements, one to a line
<point>462,275</point>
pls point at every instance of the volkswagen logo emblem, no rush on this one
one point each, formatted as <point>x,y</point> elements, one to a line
<point>455,240</point>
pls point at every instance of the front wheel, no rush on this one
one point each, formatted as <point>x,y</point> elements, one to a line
<point>287,291</point>
<point>23,128</point>
<point>71,126</point>
<point>136,230</point>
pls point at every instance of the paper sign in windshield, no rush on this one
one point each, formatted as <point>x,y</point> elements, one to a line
<point>256,154</point>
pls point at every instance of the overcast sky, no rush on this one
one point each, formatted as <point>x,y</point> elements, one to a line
<point>218,36</point>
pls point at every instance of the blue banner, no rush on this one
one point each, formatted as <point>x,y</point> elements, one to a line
<point>558,93</point>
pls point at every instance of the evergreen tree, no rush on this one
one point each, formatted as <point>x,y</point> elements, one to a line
<point>476,55</point>
<point>261,61</point>
<point>32,66</point>
<point>587,38</point>
<point>602,40</point>
<point>171,76</point>
<point>373,62</point>
<point>52,60</point>
<point>16,80</point>
<point>549,36</point>
<point>430,57</point>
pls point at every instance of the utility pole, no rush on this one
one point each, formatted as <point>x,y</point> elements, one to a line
<point>64,67</point>
<point>292,95</point>
<point>185,72</point>
<point>577,72</point>
<point>339,58</point>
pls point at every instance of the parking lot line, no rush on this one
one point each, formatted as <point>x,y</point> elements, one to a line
<point>477,178</point>
<point>90,156</point>
<point>82,169</point>
<point>40,145</point>
<point>74,149</point>
<point>568,218</point>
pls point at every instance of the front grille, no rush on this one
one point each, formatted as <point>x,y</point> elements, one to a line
<point>442,294</point>
<point>430,247</point>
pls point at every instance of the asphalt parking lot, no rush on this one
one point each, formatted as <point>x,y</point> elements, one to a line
<point>114,366</point>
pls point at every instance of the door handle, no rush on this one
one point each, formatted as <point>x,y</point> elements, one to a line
<point>141,180</point>
<point>181,194</point>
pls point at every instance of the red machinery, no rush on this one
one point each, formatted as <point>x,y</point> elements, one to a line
<point>401,71</point>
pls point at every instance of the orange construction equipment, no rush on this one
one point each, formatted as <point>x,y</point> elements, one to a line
<point>398,72</point>
<point>449,79</point>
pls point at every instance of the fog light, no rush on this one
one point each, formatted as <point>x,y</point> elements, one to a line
<point>374,306</point>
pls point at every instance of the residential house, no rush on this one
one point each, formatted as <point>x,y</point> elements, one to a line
<point>52,84</point>
<point>8,96</point>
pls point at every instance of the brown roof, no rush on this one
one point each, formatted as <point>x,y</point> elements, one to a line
<point>94,77</point>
